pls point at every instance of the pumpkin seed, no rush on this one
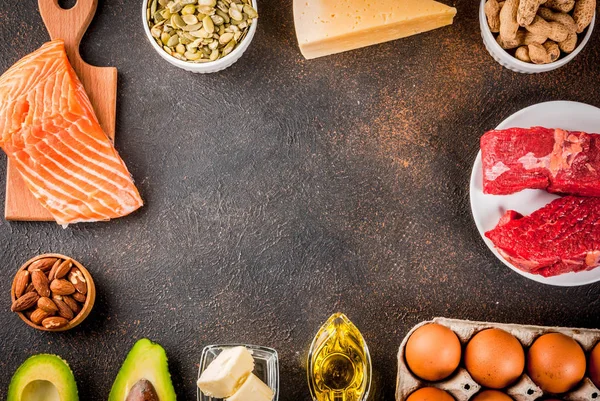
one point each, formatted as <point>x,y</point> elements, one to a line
<point>153,7</point>
<point>206,10</point>
<point>174,6</point>
<point>250,11</point>
<point>200,33</point>
<point>190,19</point>
<point>217,20</point>
<point>180,49</point>
<point>223,15</point>
<point>173,41</point>
<point>183,40</point>
<point>235,14</point>
<point>156,32</point>
<point>229,47</point>
<point>192,56</point>
<point>177,21</point>
<point>208,24</point>
<point>158,17</point>
<point>225,38</point>
<point>195,27</point>
<point>190,9</point>
<point>164,37</point>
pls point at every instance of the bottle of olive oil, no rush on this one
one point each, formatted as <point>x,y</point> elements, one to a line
<point>339,364</point>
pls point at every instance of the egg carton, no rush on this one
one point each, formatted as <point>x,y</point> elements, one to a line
<point>462,386</point>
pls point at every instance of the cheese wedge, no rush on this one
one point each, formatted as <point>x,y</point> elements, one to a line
<point>226,373</point>
<point>325,27</point>
<point>253,389</point>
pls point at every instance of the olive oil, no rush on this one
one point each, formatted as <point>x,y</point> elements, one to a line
<point>339,364</point>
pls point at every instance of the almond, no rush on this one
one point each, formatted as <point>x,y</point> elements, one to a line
<point>54,322</point>
<point>74,306</point>
<point>38,315</point>
<point>77,278</point>
<point>44,264</point>
<point>21,283</point>
<point>63,269</point>
<point>40,282</point>
<point>47,305</point>
<point>63,308</point>
<point>79,297</point>
<point>30,288</point>
<point>61,287</point>
<point>25,302</point>
<point>53,270</point>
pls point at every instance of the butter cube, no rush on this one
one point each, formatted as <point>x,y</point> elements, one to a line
<point>225,374</point>
<point>253,389</point>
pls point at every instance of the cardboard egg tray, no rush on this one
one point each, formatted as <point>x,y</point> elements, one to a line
<point>463,387</point>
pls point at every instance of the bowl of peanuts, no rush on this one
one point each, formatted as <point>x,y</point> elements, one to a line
<point>534,36</point>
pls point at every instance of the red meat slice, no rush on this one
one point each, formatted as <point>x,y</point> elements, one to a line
<point>556,160</point>
<point>561,237</point>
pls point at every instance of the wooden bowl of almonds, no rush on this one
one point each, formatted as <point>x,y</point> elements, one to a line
<point>200,36</point>
<point>53,292</point>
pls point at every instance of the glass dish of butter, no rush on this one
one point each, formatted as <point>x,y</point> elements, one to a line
<point>238,372</point>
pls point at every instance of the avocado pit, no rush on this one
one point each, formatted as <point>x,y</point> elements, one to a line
<point>143,390</point>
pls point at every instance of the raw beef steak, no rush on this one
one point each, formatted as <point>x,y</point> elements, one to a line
<point>556,160</point>
<point>561,237</point>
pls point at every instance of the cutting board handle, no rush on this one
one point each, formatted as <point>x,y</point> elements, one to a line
<point>69,25</point>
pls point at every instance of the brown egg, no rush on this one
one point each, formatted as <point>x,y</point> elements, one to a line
<point>491,395</point>
<point>494,358</point>
<point>430,394</point>
<point>594,367</point>
<point>433,352</point>
<point>556,363</point>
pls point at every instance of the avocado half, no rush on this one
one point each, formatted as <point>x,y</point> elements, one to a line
<point>145,363</point>
<point>43,377</point>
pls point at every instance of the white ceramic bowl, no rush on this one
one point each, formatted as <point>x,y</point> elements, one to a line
<point>507,60</point>
<point>208,67</point>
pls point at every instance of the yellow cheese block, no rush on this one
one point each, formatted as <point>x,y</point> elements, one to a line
<point>327,27</point>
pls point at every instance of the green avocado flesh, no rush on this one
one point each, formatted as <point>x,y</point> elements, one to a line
<point>43,377</point>
<point>145,361</point>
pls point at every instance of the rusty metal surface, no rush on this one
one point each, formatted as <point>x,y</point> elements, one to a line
<point>282,190</point>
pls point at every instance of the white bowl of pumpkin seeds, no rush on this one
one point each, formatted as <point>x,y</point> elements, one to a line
<point>201,36</point>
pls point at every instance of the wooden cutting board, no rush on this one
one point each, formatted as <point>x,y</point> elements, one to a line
<point>100,84</point>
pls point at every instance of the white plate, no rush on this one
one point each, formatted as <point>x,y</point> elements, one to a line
<point>487,209</point>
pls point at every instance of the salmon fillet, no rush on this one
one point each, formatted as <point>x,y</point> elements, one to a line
<point>50,133</point>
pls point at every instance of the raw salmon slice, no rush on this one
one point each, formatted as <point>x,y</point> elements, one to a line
<point>50,133</point>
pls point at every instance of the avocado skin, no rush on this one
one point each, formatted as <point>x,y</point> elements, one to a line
<point>146,361</point>
<point>50,364</point>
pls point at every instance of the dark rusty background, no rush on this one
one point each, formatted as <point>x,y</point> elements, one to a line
<point>282,190</point>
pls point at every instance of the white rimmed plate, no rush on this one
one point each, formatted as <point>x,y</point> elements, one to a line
<point>487,209</point>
